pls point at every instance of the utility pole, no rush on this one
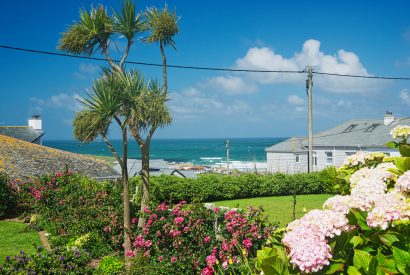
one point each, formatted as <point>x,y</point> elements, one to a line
<point>309,85</point>
<point>227,156</point>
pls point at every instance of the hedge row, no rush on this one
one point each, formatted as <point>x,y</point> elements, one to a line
<point>214,187</point>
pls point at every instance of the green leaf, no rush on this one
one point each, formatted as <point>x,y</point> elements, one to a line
<point>403,163</point>
<point>392,144</point>
<point>402,259</point>
<point>356,240</point>
<point>361,219</point>
<point>335,268</point>
<point>388,239</point>
<point>361,259</point>
<point>404,150</point>
<point>353,271</point>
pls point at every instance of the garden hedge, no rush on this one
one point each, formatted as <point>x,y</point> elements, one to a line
<point>214,187</point>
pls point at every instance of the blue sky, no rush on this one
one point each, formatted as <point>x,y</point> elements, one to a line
<point>358,37</point>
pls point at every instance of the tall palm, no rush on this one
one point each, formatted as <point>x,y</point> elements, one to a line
<point>96,28</point>
<point>104,105</point>
<point>148,113</point>
<point>162,26</point>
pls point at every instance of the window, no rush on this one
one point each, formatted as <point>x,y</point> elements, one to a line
<point>350,128</point>
<point>314,159</point>
<point>350,153</point>
<point>329,158</point>
<point>372,127</point>
<point>297,158</point>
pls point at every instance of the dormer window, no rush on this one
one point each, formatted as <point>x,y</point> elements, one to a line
<point>350,128</point>
<point>372,127</point>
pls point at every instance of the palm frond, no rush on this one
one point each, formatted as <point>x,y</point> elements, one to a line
<point>127,22</point>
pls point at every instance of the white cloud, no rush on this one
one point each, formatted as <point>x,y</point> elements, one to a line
<point>296,100</point>
<point>231,85</point>
<point>405,96</point>
<point>343,62</point>
<point>86,71</point>
<point>62,101</point>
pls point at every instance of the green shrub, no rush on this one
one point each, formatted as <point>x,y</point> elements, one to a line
<point>110,265</point>
<point>6,195</point>
<point>214,187</point>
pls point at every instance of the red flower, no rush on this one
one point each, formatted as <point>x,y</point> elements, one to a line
<point>37,194</point>
<point>173,259</point>
<point>247,243</point>
<point>210,260</point>
<point>207,271</point>
<point>178,220</point>
<point>207,239</point>
<point>162,207</point>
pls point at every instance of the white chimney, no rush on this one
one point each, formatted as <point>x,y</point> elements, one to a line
<point>388,118</point>
<point>35,122</point>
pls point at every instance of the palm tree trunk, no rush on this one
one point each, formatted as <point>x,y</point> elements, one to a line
<point>126,197</point>
<point>164,68</point>
<point>145,180</point>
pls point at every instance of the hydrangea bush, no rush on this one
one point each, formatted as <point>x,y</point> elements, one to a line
<point>364,231</point>
<point>192,239</point>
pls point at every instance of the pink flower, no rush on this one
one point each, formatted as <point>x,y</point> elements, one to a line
<point>216,210</point>
<point>162,207</point>
<point>207,239</point>
<point>186,229</point>
<point>182,202</point>
<point>234,242</point>
<point>173,259</point>
<point>148,243</point>
<point>175,233</point>
<point>134,220</point>
<point>158,233</point>
<point>37,194</point>
<point>225,265</point>
<point>107,229</point>
<point>139,241</point>
<point>247,243</point>
<point>129,253</point>
<point>162,219</point>
<point>225,246</point>
<point>207,271</point>
<point>160,258</point>
<point>210,260</point>
<point>178,220</point>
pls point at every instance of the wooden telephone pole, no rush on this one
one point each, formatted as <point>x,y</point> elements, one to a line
<point>309,85</point>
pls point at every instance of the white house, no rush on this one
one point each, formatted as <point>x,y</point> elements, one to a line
<point>331,147</point>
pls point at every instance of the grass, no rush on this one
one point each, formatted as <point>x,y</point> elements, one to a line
<point>14,238</point>
<point>279,208</point>
<point>110,160</point>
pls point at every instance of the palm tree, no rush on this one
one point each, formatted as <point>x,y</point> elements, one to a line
<point>148,113</point>
<point>162,26</point>
<point>95,29</point>
<point>105,104</point>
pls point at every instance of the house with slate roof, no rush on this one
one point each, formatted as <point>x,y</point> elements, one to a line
<point>32,133</point>
<point>332,146</point>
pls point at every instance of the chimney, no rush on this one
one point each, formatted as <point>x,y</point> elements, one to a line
<point>388,118</point>
<point>35,122</point>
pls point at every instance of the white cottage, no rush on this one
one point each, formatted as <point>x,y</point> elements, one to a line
<point>331,147</point>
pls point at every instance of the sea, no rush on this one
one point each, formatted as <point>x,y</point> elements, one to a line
<point>211,151</point>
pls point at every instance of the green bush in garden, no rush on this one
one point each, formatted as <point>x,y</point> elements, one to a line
<point>214,187</point>
<point>111,265</point>
<point>6,195</point>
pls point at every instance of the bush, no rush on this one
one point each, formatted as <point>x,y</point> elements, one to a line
<point>111,265</point>
<point>54,262</point>
<point>76,211</point>
<point>6,195</point>
<point>214,187</point>
<point>190,239</point>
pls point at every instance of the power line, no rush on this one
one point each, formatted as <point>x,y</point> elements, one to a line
<point>148,63</point>
<point>199,67</point>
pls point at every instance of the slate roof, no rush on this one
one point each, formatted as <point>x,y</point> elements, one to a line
<point>25,133</point>
<point>22,159</point>
<point>352,133</point>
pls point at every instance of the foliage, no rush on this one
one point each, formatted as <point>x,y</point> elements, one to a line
<point>54,262</point>
<point>110,265</point>
<point>366,231</point>
<point>76,211</point>
<point>190,239</point>
<point>214,187</point>
<point>6,195</point>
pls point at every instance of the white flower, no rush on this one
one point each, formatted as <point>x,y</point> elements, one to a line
<point>403,183</point>
<point>400,131</point>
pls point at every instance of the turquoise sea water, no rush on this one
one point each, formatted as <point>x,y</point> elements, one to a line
<point>198,151</point>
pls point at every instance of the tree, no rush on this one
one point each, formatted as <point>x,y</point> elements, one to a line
<point>148,113</point>
<point>92,33</point>
<point>162,26</point>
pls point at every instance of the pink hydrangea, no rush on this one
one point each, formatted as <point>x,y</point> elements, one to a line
<point>210,260</point>
<point>207,239</point>
<point>403,183</point>
<point>130,253</point>
<point>207,271</point>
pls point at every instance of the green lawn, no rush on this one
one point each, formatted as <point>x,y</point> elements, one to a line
<point>13,239</point>
<point>279,208</point>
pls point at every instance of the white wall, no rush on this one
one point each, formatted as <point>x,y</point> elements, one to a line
<point>285,162</point>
